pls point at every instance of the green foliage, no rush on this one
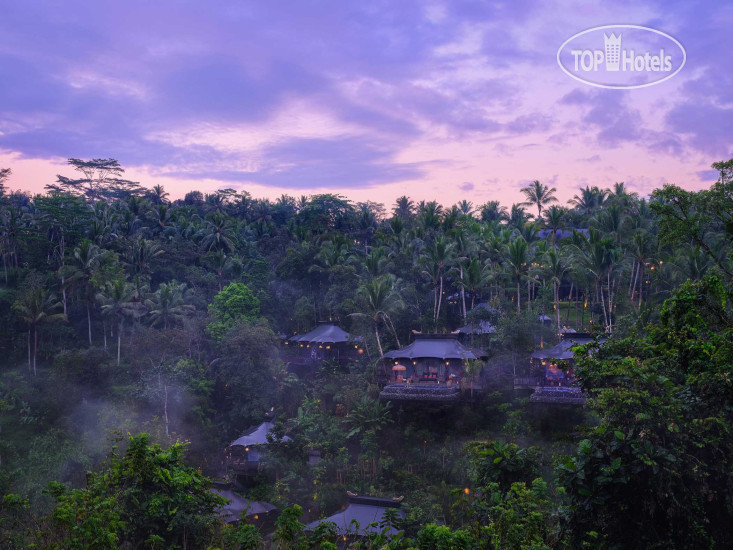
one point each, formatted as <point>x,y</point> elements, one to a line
<point>502,463</point>
<point>652,472</point>
<point>289,531</point>
<point>233,304</point>
<point>440,537</point>
<point>148,495</point>
<point>241,537</point>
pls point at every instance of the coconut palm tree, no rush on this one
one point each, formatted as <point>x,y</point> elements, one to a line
<point>35,306</point>
<point>218,233</point>
<point>554,220</point>
<point>404,208</point>
<point>476,278</point>
<point>435,259</point>
<point>169,304</point>
<point>555,268</point>
<point>539,195</point>
<point>139,255</point>
<point>80,271</point>
<point>117,302</point>
<point>492,211</point>
<point>517,258</point>
<point>379,301</point>
<point>589,200</point>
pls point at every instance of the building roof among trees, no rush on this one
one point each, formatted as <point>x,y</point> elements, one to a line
<point>257,435</point>
<point>564,350</point>
<point>363,510</point>
<point>232,511</point>
<point>478,327</point>
<point>440,346</point>
<point>325,333</point>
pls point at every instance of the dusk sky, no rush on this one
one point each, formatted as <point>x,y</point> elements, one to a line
<point>372,100</point>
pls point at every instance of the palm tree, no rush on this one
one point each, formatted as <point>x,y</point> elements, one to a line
<point>518,217</point>
<point>589,200</point>
<point>476,277</point>
<point>380,300</point>
<point>465,246</point>
<point>220,262</point>
<point>466,207</point>
<point>598,257</point>
<point>436,258</point>
<point>35,306</point>
<point>555,268</point>
<point>404,208</point>
<point>554,220</point>
<point>430,214</point>
<point>218,233</point>
<point>375,263</point>
<point>642,250</point>
<point>169,304</point>
<point>539,195</point>
<point>492,211</point>
<point>158,195</point>
<point>80,271</point>
<point>116,299</point>
<point>139,255</point>
<point>517,257</point>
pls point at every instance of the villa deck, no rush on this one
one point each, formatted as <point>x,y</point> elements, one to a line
<point>567,395</point>
<point>437,393</point>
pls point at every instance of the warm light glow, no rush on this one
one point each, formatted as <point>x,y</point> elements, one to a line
<point>466,490</point>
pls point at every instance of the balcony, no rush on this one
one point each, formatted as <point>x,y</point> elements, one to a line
<point>425,392</point>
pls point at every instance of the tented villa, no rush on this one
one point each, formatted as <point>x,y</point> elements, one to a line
<point>432,368</point>
<point>326,342</point>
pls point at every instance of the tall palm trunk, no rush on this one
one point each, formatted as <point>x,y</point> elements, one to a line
<point>35,347</point>
<point>463,293</point>
<point>119,341</point>
<point>519,306</point>
<point>556,292</point>
<point>89,323</point>
<point>379,343</point>
<point>440,302</point>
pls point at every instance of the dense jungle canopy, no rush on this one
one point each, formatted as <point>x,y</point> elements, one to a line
<point>141,335</point>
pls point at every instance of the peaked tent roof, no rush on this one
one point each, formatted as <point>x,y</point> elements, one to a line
<point>364,510</point>
<point>564,350</point>
<point>257,436</point>
<point>440,346</point>
<point>232,511</point>
<point>480,327</point>
<point>325,334</point>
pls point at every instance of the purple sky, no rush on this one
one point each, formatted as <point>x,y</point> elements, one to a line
<point>373,100</point>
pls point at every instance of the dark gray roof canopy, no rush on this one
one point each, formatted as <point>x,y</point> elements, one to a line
<point>439,346</point>
<point>480,327</point>
<point>232,511</point>
<point>325,334</point>
<point>364,510</point>
<point>257,436</point>
<point>564,350</point>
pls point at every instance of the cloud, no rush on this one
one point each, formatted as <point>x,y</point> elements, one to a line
<point>467,186</point>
